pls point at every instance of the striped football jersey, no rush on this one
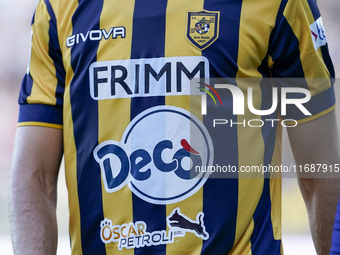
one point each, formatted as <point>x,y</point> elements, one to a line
<point>116,77</point>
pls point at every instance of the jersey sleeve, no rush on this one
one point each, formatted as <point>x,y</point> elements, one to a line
<point>42,89</point>
<point>299,57</point>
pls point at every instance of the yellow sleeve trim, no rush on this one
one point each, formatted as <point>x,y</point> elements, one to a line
<point>40,124</point>
<point>311,117</point>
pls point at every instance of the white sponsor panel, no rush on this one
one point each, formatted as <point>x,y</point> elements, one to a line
<point>145,77</point>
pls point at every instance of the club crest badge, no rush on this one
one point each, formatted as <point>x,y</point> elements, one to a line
<point>202,28</point>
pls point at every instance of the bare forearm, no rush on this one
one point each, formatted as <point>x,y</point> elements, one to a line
<point>33,217</point>
<point>321,197</point>
<point>36,161</point>
<point>317,142</point>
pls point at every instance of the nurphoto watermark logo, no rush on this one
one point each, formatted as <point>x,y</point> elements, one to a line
<point>253,97</point>
<point>244,119</point>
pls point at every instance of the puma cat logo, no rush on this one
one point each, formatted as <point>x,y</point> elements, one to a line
<point>178,220</point>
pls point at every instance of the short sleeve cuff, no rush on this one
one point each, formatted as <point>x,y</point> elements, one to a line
<point>40,115</point>
<point>318,106</point>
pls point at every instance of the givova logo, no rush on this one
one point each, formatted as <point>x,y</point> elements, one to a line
<point>156,154</point>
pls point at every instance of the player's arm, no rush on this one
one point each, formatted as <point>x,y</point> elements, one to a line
<point>33,190</point>
<point>317,142</point>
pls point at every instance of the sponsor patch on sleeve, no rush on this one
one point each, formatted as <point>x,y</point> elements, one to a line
<point>318,33</point>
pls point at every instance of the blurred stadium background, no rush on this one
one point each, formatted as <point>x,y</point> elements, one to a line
<point>15,18</point>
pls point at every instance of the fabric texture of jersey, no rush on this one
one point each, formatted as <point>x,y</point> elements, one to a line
<point>114,76</point>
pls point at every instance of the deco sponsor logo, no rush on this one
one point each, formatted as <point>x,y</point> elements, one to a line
<point>135,234</point>
<point>156,155</point>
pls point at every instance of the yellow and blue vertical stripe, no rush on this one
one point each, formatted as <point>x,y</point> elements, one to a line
<point>243,214</point>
